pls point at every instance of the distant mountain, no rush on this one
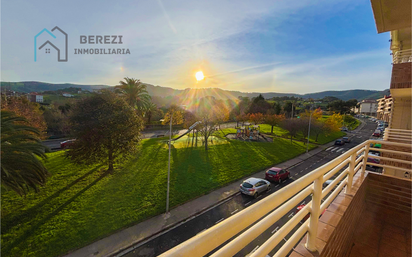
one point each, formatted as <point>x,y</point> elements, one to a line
<point>159,91</point>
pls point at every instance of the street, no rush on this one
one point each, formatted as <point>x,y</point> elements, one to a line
<point>176,235</point>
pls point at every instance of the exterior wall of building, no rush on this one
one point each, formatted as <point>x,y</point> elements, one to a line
<point>368,108</point>
<point>39,99</point>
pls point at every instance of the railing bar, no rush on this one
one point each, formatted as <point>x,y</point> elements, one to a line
<point>249,235</point>
<point>359,159</point>
<point>274,240</point>
<point>293,240</point>
<point>388,166</point>
<point>335,182</point>
<point>390,159</point>
<point>389,151</point>
<point>330,198</point>
<point>333,171</point>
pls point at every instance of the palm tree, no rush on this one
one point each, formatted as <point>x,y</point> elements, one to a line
<point>21,155</point>
<point>149,111</point>
<point>135,93</point>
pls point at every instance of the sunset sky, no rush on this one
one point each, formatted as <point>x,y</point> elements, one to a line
<point>260,46</point>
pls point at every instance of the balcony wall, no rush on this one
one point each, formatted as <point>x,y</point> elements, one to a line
<point>377,220</point>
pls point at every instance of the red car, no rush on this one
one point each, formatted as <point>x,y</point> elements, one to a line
<point>67,143</point>
<point>277,174</point>
<point>300,207</point>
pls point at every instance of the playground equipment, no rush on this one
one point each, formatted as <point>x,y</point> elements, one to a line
<point>250,132</point>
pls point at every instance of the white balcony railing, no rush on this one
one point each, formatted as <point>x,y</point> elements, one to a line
<point>402,56</point>
<point>400,135</point>
<point>270,209</point>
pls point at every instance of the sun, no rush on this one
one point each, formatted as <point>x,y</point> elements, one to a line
<point>199,76</point>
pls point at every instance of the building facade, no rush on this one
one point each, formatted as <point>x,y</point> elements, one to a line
<point>35,98</point>
<point>368,107</point>
<point>384,108</point>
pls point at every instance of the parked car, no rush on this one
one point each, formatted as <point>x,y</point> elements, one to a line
<point>254,186</point>
<point>346,139</point>
<point>67,143</point>
<point>300,207</point>
<point>339,142</point>
<point>377,133</point>
<point>277,174</point>
<point>373,160</point>
<point>344,129</point>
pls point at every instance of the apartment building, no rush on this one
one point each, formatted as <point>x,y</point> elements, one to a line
<point>368,107</point>
<point>35,97</point>
<point>384,108</point>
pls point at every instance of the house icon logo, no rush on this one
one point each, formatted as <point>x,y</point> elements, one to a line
<point>47,44</point>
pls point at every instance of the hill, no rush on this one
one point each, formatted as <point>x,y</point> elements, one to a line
<point>159,91</point>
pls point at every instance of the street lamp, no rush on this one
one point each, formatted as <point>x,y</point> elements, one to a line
<point>168,169</point>
<point>310,119</point>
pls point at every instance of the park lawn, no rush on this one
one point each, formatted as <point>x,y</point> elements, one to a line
<point>81,204</point>
<point>266,129</point>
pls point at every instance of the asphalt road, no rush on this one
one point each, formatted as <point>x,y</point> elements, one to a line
<point>181,233</point>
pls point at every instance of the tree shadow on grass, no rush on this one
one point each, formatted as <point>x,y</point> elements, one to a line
<point>9,223</point>
<point>6,250</point>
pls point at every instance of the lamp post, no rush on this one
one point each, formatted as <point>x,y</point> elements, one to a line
<point>168,170</point>
<point>310,119</point>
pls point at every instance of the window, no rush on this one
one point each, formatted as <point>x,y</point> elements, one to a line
<point>247,185</point>
<point>272,172</point>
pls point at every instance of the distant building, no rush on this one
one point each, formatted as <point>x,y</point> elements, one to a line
<point>35,97</point>
<point>384,108</point>
<point>368,107</point>
<point>67,95</point>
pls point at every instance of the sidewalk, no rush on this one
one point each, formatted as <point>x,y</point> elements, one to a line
<point>123,239</point>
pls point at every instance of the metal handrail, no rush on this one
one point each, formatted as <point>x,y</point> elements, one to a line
<point>263,214</point>
<point>402,56</point>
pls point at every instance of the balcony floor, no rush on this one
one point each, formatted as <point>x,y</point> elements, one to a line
<point>382,232</point>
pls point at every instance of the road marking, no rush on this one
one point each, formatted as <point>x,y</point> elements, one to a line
<point>329,148</point>
<point>276,229</point>
<point>276,185</point>
<point>291,215</point>
<point>219,220</point>
<point>285,239</point>
<point>301,171</point>
<point>254,249</point>
<point>343,151</point>
<point>339,150</point>
<point>306,168</point>
<point>247,203</point>
<point>334,149</point>
<point>303,203</point>
<point>234,211</point>
<point>310,165</point>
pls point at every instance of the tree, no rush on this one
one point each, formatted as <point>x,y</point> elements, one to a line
<point>57,121</point>
<point>292,126</point>
<point>106,128</point>
<point>21,106</point>
<point>259,105</point>
<point>277,107</point>
<point>207,113</point>
<point>334,122</point>
<point>135,93</point>
<point>274,120</point>
<point>177,115</point>
<point>256,118</point>
<point>316,114</point>
<point>222,112</point>
<point>241,118</point>
<point>21,155</point>
<point>150,109</point>
<point>317,127</point>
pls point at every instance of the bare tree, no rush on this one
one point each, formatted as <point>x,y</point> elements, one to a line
<point>292,126</point>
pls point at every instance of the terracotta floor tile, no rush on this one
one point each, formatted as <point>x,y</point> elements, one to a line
<point>331,218</point>
<point>386,233</point>
<point>325,231</point>
<point>386,250</point>
<point>394,244</point>
<point>294,254</point>
<point>344,200</point>
<point>393,229</point>
<point>364,250</point>
<point>337,208</point>
<point>368,239</point>
<point>301,249</point>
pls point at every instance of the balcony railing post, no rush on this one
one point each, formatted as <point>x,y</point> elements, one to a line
<point>314,214</point>
<point>351,173</point>
<point>365,157</point>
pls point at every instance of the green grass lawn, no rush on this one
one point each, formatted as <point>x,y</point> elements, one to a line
<point>81,204</point>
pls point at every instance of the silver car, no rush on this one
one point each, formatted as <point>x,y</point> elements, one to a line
<point>254,186</point>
